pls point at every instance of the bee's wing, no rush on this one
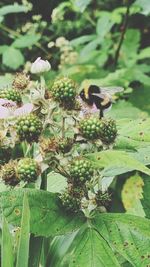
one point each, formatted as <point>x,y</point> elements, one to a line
<point>111,90</point>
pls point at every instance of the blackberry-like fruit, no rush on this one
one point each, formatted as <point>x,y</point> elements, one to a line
<point>81,170</point>
<point>11,94</point>
<point>71,199</point>
<point>8,173</point>
<point>21,81</point>
<point>28,169</point>
<point>90,128</point>
<point>29,128</point>
<point>108,131</point>
<point>64,91</point>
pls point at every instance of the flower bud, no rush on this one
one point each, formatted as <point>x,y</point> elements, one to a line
<point>40,66</point>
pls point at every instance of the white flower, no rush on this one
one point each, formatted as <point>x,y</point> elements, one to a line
<point>40,66</point>
<point>9,110</point>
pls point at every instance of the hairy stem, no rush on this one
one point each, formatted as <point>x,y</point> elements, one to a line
<point>124,28</point>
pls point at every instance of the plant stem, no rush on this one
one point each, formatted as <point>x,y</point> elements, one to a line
<point>63,127</point>
<point>44,180</point>
<point>124,28</point>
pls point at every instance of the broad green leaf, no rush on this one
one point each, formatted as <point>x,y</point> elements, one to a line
<point>104,25</point>
<point>7,256</point>
<point>132,193</point>
<point>23,248</point>
<point>146,196</point>
<point>27,40</point>
<point>48,217</point>
<point>114,162</point>
<point>129,235</point>
<point>89,249</point>
<point>58,249</point>
<point>134,133</point>
<point>56,183</point>
<point>12,58</point>
<point>3,48</point>
<point>15,8</point>
<point>144,53</point>
<point>130,46</point>
<point>143,155</point>
<point>91,46</point>
<point>82,40</point>
<point>123,109</point>
<point>81,5</point>
<point>145,6</point>
<point>139,98</point>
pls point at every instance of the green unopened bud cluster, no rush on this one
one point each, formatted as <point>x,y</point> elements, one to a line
<point>70,201</point>
<point>65,145</point>
<point>108,132</point>
<point>64,91</point>
<point>81,170</point>
<point>93,128</point>
<point>11,94</point>
<point>29,128</point>
<point>27,169</point>
<point>90,128</point>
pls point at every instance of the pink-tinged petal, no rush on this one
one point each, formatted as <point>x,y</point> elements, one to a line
<point>7,103</point>
<point>4,113</point>
<point>24,110</point>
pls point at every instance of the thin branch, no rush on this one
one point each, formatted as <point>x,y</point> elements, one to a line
<point>124,28</point>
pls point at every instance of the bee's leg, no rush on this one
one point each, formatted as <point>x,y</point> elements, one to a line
<point>101,114</point>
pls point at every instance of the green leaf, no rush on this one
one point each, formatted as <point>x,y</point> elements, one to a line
<point>135,134</point>
<point>3,48</point>
<point>12,58</point>
<point>130,47</point>
<point>48,218</point>
<point>146,196</point>
<point>15,8</point>
<point>56,183</point>
<point>104,25</point>
<point>23,248</point>
<point>128,235</point>
<point>82,39</point>
<point>81,5</point>
<point>58,249</point>
<point>144,53</point>
<point>7,257</point>
<point>89,249</point>
<point>132,194</point>
<point>115,162</point>
<point>27,40</point>
<point>145,6</point>
<point>123,109</point>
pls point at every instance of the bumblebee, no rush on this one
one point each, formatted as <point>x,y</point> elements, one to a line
<point>101,97</point>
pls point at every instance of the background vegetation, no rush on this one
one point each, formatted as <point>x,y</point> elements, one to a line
<point>105,42</point>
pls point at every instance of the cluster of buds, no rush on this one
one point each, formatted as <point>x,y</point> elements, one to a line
<point>68,56</point>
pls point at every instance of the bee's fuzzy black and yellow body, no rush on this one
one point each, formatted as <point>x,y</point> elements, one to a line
<point>93,95</point>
